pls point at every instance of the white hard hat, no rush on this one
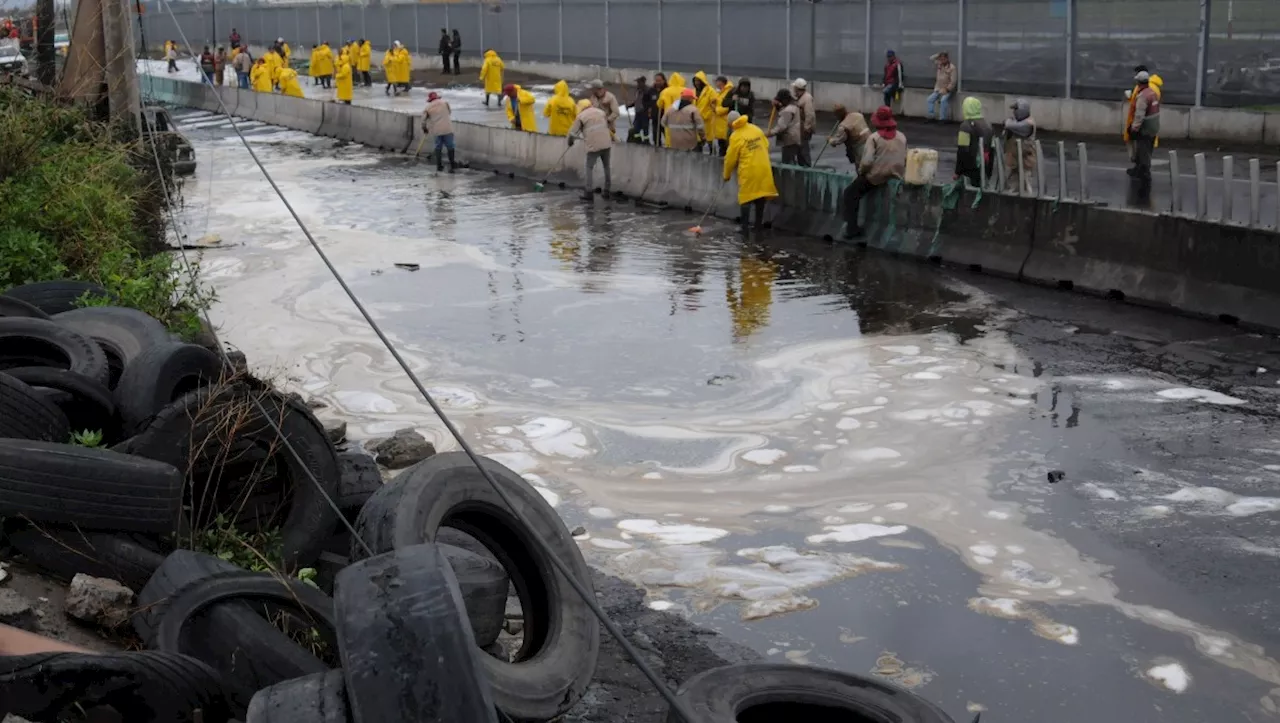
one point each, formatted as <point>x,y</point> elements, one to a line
<point>800,83</point>
<point>279,40</point>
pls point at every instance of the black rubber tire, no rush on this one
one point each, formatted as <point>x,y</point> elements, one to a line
<point>561,636</point>
<point>141,686</point>
<point>55,297</point>
<point>407,653</point>
<point>483,585</point>
<point>28,414</point>
<point>63,552</point>
<point>193,423</point>
<point>359,478</point>
<point>45,343</point>
<point>316,698</point>
<point>783,692</point>
<point>87,403</point>
<point>123,333</point>
<point>288,593</point>
<point>96,489</point>
<point>10,306</point>
<point>158,376</point>
<point>233,637</point>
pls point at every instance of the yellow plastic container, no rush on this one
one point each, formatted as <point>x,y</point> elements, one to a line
<point>922,166</point>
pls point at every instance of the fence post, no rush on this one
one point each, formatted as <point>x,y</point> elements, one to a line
<point>519,38</point>
<point>1175,207</point>
<point>297,24</point>
<point>1255,192</point>
<point>1071,48</point>
<point>960,41</point>
<point>480,24</point>
<point>1062,170</point>
<point>1202,51</point>
<point>660,34</point>
<point>318,31</point>
<point>1228,187</point>
<point>1083,153</point>
<point>364,24</point>
<point>1002,172</point>
<point>606,34</point>
<point>417,44</point>
<point>560,27</point>
<point>386,9</point>
<point>786,73</point>
<point>866,47</point>
<point>1202,188</point>
<point>719,35</point>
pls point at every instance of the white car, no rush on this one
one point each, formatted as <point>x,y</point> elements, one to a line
<point>11,58</point>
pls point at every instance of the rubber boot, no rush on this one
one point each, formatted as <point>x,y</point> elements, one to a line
<point>439,162</point>
<point>453,162</point>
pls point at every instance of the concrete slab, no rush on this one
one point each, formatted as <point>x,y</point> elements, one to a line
<point>1229,125</point>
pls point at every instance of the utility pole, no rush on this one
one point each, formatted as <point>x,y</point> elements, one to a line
<point>46,70</point>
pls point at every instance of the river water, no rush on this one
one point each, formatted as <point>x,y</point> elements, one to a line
<point>836,458</point>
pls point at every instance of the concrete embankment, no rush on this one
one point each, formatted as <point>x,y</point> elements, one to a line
<point>1199,267</point>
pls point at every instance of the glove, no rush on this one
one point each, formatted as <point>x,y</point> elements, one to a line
<point>571,141</point>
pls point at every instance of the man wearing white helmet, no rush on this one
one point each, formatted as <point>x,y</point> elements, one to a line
<point>808,119</point>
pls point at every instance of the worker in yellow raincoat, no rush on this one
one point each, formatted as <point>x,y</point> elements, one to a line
<point>718,128</point>
<point>323,57</point>
<point>274,63</point>
<point>284,50</point>
<point>1156,83</point>
<point>405,65</point>
<point>560,109</point>
<point>395,66</point>
<point>260,76</point>
<point>491,75</point>
<point>706,104</point>
<point>515,96</point>
<point>748,156</point>
<point>342,78</point>
<point>313,65</point>
<point>667,98</point>
<point>364,61</point>
<point>289,84</point>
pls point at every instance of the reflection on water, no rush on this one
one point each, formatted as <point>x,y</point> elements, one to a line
<point>750,295</point>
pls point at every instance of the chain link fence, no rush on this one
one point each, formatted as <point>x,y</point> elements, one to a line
<point>1217,52</point>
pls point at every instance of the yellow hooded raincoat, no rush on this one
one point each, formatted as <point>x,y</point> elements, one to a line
<point>749,157</point>
<point>561,110</point>
<point>718,126</point>
<point>288,53</point>
<point>526,100</point>
<point>289,83</point>
<point>395,65</point>
<point>365,59</point>
<point>667,98</point>
<point>274,64</point>
<point>260,77</point>
<point>491,72</point>
<point>706,102</point>
<point>342,79</point>
<point>313,67</point>
<point>322,59</point>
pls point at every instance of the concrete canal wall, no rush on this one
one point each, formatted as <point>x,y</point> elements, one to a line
<point>1200,267</point>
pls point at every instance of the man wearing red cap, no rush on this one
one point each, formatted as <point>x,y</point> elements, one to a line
<point>437,120</point>
<point>884,157</point>
<point>685,129</point>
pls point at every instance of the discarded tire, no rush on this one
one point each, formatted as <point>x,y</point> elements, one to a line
<point>317,698</point>
<point>91,488</point>
<point>561,636</point>
<point>402,634</point>
<point>359,477</point>
<point>483,585</point>
<point>55,297</point>
<point>27,414</point>
<point>10,306</point>
<point>158,376</point>
<point>86,402</point>
<point>758,692</point>
<point>233,637</point>
<point>64,552</point>
<point>140,686</point>
<point>44,343</point>
<point>230,464</point>
<point>123,333</point>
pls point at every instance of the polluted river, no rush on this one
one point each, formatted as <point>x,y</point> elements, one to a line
<point>1011,500</point>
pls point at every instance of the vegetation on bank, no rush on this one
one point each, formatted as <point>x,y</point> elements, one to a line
<point>82,199</point>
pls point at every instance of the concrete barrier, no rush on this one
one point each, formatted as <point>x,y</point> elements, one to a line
<point>1202,267</point>
<point>1240,126</point>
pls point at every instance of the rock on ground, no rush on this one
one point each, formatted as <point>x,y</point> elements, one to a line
<point>404,448</point>
<point>335,430</point>
<point>99,600</point>
<point>16,610</point>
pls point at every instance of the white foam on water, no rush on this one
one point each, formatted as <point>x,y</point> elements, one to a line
<point>672,534</point>
<point>555,437</point>
<point>923,375</point>
<point>779,509</point>
<point>862,410</point>
<point>896,506</point>
<point>800,468</point>
<point>873,454</point>
<point>1171,676</point>
<point>551,497</point>
<point>609,544</point>
<point>904,350</point>
<point>1198,395</point>
<point>847,424</point>
<point>984,550</point>
<point>856,507</point>
<point>651,475</point>
<point>601,513</point>
<point>855,532</point>
<point>660,605</point>
<point>364,402</point>
<point>763,456</point>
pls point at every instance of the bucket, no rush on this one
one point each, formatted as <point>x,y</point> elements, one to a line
<point>922,166</point>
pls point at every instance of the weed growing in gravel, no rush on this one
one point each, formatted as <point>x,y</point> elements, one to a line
<point>87,438</point>
<point>81,199</point>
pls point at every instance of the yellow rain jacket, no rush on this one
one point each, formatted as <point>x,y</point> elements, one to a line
<point>289,83</point>
<point>406,63</point>
<point>260,77</point>
<point>169,44</point>
<point>313,67</point>
<point>491,72</point>
<point>1157,84</point>
<point>323,58</point>
<point>718,127</point>
<point>561,110</point>
<point>671,94</point>
<point>365,59</point>
<point>749,156</point>
<point>527,121</point>
<point>287,52</point>
<point>274,64</point>
<point>342,78</point>
<point>706,102</point>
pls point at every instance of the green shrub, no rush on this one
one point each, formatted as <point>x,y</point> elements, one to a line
<point>26,256</point>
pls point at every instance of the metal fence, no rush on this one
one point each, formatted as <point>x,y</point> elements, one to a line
<point>1210,52</point>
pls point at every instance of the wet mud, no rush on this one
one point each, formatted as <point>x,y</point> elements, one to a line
<point>833,457</point>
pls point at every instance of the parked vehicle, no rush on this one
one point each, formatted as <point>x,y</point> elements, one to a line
<point>157,122</point>
<point>11,58</point>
